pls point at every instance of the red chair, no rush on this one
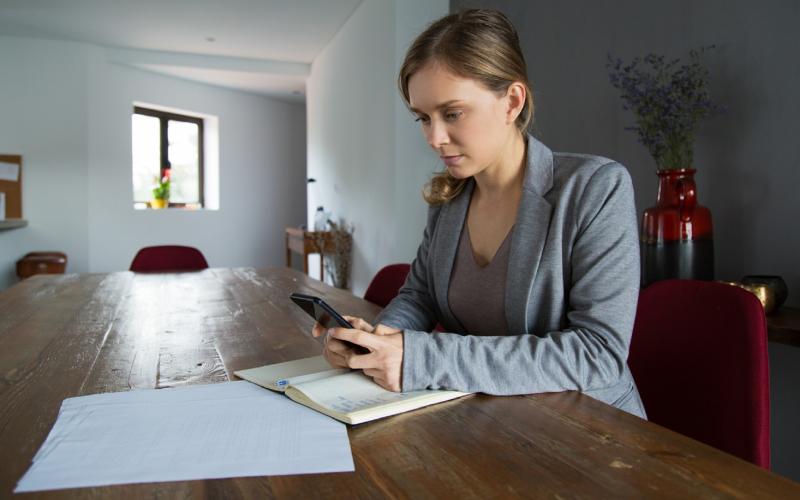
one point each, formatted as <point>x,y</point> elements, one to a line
<point>386,283</point>
<point>699,357</point>
<point>167,258</point>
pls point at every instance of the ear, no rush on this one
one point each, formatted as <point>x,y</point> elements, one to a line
<point>515,96</point>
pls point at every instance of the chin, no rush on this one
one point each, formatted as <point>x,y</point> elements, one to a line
<point>459,172</point>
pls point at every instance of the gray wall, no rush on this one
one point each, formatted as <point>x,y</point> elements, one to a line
<point>747,160</point>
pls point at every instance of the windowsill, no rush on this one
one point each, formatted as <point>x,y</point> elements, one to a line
<point>188,207</point>
<point>12,223</point>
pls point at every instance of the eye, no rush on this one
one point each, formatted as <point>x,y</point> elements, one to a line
<point>453,115</point>
<point>422,119</point>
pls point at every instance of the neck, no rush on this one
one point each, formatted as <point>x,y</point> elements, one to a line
<point>506,174</point>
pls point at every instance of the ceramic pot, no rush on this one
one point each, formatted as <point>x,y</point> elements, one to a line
<point>775,283</point>
<point>676,233</point>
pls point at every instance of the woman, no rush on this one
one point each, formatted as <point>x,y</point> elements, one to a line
<point>530,259</point>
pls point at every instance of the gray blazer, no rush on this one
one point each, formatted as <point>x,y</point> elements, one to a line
<point>571,290</point>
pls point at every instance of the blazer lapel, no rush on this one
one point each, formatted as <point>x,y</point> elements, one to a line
<point>527,240</point>
<point>529,236</point>
<point>448,232</point>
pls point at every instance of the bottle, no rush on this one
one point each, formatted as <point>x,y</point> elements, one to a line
<point>320,219</point>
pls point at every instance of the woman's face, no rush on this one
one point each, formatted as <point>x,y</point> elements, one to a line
<point>467,124</point>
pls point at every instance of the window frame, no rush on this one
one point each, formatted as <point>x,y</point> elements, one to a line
<point>164,117</point>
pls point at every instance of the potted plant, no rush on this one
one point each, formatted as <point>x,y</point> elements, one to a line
<point>161,191</point>
<point>668,101</point>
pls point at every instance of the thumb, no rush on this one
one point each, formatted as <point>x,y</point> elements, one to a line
<point>382,329</point>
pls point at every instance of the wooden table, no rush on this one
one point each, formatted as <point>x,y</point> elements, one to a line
<point>69,335</point>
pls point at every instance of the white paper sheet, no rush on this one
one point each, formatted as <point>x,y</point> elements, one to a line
<point>231,429</point>
<point>9,171</point>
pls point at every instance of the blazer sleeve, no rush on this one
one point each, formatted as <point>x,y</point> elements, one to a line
<point>591,351</point>
<point>414,308</point>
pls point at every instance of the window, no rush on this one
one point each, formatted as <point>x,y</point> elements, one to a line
<point>163,140</point>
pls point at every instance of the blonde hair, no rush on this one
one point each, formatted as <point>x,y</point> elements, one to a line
<point>481,44</point>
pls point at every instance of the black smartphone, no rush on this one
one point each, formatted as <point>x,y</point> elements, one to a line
<point>325,315</point>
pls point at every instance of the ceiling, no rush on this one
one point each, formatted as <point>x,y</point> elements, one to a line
<point>260,46</point>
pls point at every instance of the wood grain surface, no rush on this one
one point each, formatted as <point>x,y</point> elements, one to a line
<point>70,335</point>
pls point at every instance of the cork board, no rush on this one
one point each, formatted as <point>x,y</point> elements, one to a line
<point>12,189</point>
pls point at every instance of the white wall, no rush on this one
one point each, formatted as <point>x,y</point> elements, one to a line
<point>262,172</point>
<point>368,157</point>
<point>69,116</point>
<point>43,96</point>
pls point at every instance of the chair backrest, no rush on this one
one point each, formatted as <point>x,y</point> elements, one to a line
<point>699,357</point>
<point>386,283</point>
<point>166,258</point>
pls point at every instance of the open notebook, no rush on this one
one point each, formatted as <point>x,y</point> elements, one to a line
<point>349,396</point>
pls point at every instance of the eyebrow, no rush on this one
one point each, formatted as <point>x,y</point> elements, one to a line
<point>440,106</point>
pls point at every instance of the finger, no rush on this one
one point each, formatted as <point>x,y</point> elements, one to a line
<point>382,329</point>
<point>381,382</point>
<point>359,323</point>
<point>338,347</point>
<point>374,374</point>
<point>340,360</point>
<point>318,330</point>
<point>362,338</point>
<point>361,361</point>
<point>334,359</point>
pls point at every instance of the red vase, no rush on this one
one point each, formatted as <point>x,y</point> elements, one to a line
<point>677,232</point>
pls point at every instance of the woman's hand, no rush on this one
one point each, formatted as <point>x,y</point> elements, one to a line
<point>384,361</point>
<point>334,351</point>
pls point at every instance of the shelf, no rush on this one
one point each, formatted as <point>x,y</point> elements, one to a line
<point>12,223</point>
<point>784,326</point>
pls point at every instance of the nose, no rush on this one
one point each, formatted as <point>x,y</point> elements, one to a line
<point>437,134</point>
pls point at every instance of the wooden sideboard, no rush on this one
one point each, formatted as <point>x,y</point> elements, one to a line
<point>305,243</point>
<point>784,326</point>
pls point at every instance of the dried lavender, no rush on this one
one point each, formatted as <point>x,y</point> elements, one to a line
<point>668,102</point>
<point>337,263</point>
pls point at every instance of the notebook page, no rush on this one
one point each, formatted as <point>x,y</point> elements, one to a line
<point>278,376</point>
<point>353,392</point>
<point>285,382</point>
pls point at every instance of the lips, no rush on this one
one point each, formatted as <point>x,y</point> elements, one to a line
<point>451,160</point>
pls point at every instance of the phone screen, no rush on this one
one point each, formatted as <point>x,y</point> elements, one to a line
<point>324,314</point>
<point>329,318</point>
<point>321,311</point>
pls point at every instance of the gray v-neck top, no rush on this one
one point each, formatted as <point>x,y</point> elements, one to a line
<point>477,294</point>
